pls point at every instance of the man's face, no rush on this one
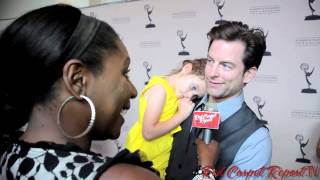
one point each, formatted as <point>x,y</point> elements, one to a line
<point>225,76</point>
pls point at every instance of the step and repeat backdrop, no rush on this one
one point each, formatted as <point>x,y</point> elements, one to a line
<point>159,35</point>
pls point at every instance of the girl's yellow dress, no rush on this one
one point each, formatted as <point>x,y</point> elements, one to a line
<point>157,150</point>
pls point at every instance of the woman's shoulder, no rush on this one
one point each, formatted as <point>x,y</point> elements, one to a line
<point>123,171</point>
<point>46,160</point>
<point>62,161</point>
<point>126,165</point>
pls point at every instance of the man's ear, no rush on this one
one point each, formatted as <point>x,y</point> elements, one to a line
<point>187,68</point>
<point>249,75</point>
<point>74,77</point>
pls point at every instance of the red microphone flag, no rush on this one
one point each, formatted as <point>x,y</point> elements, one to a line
<point>206,119</point>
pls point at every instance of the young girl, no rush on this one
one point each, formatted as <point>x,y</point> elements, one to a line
<point>165,102</point>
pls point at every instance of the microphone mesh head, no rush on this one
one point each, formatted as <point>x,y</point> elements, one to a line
<point>212,107</point>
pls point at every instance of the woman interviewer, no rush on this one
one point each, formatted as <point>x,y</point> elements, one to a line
<point>66,76</point>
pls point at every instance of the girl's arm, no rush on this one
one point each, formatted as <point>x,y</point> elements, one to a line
<point>152,127</point>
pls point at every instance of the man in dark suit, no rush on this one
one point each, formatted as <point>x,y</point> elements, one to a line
<point>234,55</point>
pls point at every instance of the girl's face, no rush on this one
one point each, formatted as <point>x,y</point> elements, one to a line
<point>190,85</point>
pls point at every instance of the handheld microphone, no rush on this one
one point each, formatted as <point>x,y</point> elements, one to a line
<point>208,119</point>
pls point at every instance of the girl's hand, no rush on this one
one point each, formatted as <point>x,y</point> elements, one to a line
<point>185,107</point>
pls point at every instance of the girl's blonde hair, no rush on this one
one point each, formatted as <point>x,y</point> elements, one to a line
<point>198,66</point>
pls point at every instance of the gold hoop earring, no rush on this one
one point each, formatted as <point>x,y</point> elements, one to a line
<point>92,118</point>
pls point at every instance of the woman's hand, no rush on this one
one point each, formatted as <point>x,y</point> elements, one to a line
<point>207,153</point>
